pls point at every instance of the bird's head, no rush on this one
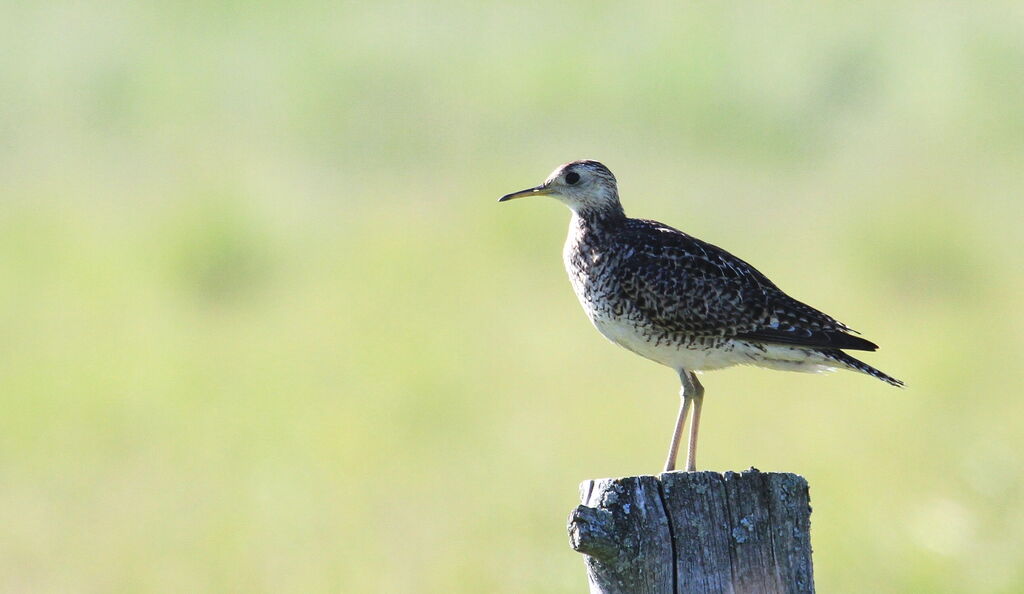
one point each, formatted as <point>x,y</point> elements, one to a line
<point>584,186</point>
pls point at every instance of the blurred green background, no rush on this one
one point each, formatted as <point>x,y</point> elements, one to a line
<point>266,329</point>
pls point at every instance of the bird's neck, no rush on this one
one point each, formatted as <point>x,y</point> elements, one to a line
<point>606,216</point>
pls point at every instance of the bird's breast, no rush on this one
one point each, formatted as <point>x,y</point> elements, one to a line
<point>589,267</point>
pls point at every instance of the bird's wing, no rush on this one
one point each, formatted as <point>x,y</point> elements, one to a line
<point>688,286</point>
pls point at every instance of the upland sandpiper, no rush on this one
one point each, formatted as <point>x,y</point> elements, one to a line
<point>682,302</point>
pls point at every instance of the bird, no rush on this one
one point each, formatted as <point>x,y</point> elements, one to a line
<point>682,302</point>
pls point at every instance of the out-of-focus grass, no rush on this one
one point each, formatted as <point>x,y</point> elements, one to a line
<point>266,329</point>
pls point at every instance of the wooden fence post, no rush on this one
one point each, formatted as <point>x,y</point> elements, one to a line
<point>696,532</point>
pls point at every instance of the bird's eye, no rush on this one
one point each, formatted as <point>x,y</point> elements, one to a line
<point>571,178</point>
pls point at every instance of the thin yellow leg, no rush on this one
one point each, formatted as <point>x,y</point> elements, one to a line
<point>673,448</point>
<point>697,395</point>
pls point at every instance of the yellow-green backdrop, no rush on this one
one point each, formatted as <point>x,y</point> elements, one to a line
<point>266,329</point>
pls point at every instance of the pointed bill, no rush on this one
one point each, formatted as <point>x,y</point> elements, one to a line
<point>541,190</point>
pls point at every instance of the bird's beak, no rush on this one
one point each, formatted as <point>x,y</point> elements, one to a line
<point>541,190</point>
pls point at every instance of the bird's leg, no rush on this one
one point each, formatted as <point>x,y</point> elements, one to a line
<point>697,395</point>
<point>685,396</point>
<point>673,448</point>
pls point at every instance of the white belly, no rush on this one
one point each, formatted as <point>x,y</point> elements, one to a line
<point>675,356</point>
<point>707,358</point>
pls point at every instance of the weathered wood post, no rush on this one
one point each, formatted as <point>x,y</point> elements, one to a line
<point>688,532</point>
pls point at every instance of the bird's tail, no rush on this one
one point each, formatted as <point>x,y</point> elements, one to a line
<point>858,365</point>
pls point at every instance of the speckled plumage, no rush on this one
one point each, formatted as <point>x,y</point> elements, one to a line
<point>680,301</point>
<point>686,303</point>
